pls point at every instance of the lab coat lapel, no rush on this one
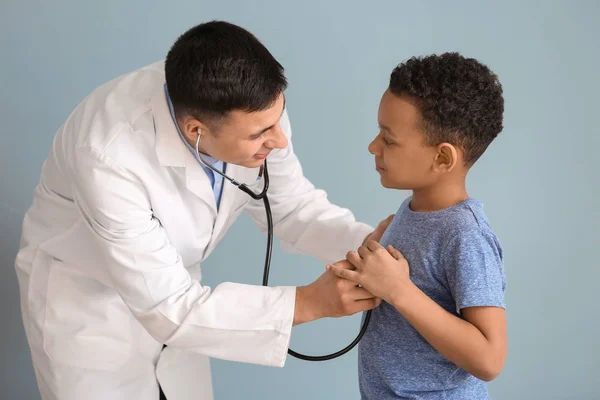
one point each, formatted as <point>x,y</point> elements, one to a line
<point>196,180</point>
<point>172,152</point>
<point>232,199</point>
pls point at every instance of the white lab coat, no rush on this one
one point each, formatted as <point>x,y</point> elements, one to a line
<point>109,264</point>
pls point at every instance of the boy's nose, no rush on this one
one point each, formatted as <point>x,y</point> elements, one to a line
<point>373,148</point>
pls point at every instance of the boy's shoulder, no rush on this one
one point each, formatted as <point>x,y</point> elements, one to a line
<point>460,224</point>
<point>467,228</point>
<point>467,216</point>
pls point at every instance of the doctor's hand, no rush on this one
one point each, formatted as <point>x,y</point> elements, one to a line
<point>331,296</point>
<point>383,272</point>
<point>378,232</point>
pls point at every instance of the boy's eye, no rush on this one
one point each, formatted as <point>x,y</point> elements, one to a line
<point>386,141</point>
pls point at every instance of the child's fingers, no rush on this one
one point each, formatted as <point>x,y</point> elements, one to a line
<point>395,253</point>
<point>343,273</point>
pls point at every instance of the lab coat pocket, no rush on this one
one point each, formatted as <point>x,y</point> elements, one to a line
<point>87,325</point>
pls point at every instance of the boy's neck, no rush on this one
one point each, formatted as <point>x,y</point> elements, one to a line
<point>438,197</point>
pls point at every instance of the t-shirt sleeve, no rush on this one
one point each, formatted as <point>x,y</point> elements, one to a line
<point>474,269</point>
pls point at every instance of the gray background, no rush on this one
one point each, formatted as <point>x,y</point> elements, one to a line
<point>538,181</point>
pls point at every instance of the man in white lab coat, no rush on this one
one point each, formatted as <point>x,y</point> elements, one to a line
<point>124,214</point>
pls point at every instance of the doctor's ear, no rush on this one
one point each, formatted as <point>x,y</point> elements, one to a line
<point>446,158</point>
<point>192,128</point>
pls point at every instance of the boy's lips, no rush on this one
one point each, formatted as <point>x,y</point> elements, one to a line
<point>262,155</point>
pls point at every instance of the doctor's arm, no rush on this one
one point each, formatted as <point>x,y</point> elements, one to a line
<point>234,322</point>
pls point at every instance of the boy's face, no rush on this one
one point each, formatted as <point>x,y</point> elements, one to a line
<point>402,158</point>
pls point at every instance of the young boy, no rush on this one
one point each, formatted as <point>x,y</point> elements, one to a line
<point>440,331</point>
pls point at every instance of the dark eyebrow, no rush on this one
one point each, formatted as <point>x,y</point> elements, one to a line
<point>269,127</point>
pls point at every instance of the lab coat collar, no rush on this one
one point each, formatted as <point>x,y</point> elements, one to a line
<point>173,152</point>
<point>170,149</point>
<point>206,158</point>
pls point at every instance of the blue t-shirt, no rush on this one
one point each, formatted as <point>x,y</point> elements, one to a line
<point>456,259</point>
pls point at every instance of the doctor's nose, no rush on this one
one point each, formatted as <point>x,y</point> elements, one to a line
<point>278,140</point>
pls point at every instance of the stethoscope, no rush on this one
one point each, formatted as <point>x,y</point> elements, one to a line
<point>264,173</point>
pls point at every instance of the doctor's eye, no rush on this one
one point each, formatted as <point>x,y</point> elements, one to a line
<point>258,136</point>
<point>386,141</point>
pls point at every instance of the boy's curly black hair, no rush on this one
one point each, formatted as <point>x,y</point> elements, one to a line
<point>459,98</point>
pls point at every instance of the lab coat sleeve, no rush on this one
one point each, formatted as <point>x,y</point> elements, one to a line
<point>234,322</point>
<point>303,218</point>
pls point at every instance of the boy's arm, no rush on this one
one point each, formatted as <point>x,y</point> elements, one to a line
<point>477,343</point>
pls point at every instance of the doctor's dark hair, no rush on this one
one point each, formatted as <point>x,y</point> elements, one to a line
<point>460,100</point>
<point>218,67</point>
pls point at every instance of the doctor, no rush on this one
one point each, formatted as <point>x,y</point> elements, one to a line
<point>124,214</point>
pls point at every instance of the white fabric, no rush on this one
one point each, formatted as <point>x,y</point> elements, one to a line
<point>109,265</point>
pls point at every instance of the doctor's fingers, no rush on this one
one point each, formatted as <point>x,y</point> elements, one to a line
<point>344,264</point>
<point>364,305</point>
<point>346,277</point>
<point>386,222</point>
<point>359,293</point>
<point>354,259</point>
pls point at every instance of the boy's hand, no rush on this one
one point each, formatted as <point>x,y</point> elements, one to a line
<point>384,273</point>
<point>331,296</point>
<point>378,232</point>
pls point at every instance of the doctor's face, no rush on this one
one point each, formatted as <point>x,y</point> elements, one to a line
<point>402,158</point>
<point>246,139</point>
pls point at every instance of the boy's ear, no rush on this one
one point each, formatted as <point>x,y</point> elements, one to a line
<point>446,158</point>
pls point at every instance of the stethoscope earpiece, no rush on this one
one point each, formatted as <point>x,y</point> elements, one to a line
<point>242,186</point>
